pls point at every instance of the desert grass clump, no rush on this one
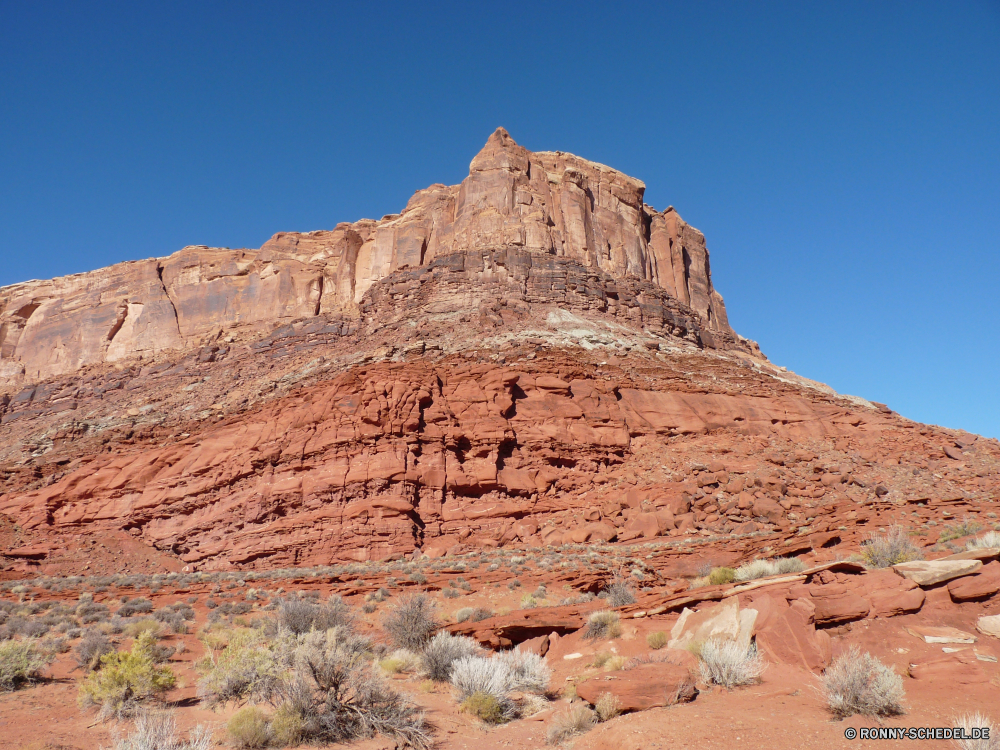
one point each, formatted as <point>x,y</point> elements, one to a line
<point>728,663</point>
<point>126,680</point>
<point>442,651</point>
<point>886,550</point>
<point>607,707</point>
<point>411,622</point>
<point>158,731</point>
<point>92,646</point>
<point>965,527</point>
<point>400,660</point>
<point>656,640</point>
<point>529,672</point>
<point>576,720</point>
<point>249,729</point>
<point>145,625</point>
<point>21,663</point>
<point>603,624</point>
<point>971,722</point>
<point>858,683</point>
<point>984,541</point>
<point>763,568</point>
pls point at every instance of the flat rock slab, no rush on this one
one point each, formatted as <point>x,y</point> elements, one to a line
<point>982,585</point>
<point>943,634</point>
<point>930,572</point>
<point>989,625</point>
<point>648,686</point>
<point>983,553</point>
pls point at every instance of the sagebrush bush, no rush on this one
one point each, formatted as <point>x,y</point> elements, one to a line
<point>300,615</point>
<point>984,541</point>
<point>137,606</point>
<point>976,720</point>
<point>858,683</point>
<point>763,568</point>
<point>157,731</point>
<point>411,622</point>
<point>125,680</point>
<point>607,707</point>
<point>576,720</point>
<point>92,646</point>
<point>891,548</point>
<point>442,651</point>
<point>657,640</point>
<point>249,729</point>
<point>729,664</point>
<point>21,662</point>
<point>529,672</point>
<point>603,624</point>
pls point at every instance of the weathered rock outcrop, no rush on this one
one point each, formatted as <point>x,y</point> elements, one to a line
<point>514,202</point>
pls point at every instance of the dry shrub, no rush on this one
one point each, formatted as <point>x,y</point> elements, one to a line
<point>400,660</point>
<point>969,722</point>
<point>603,624</point>
<point>858,683</point>
<point>891,548</point>
<point>411,622</point>
<point>620,592</point>
<point>340,697</point>
<point>137,606</point>
<point>443,650</point>
<point>249,729</point>
<point>607,707</point>
<point>247,669</point>
<point>92,646</point>
<point>157,731</point>
<point>576,720</point>
<point>657,640</point>
<point>729,664</point>
<point>300,615</point>
<point>21,662</point>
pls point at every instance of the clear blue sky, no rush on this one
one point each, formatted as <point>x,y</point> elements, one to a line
<point>843,159</point>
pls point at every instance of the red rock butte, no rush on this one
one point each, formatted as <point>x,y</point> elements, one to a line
<point>532,357</point>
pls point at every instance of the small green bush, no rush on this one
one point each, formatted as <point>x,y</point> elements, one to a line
<point>249,729</point>
<point>656,640</point>
<point>21,662</point>
<point>126,679</point>
<point>720,576</point>
<point>485,707</point>
<point>287,726</point>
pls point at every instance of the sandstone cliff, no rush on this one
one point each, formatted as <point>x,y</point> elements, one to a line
<point>548,204</point>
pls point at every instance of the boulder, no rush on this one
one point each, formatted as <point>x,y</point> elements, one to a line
<point>787,634</point>
<point>930,572</point>
<point>720,621</point>
<point>989,625</point>
<point>983,584</point>
<point>893,603</point>
<point>644,687</point>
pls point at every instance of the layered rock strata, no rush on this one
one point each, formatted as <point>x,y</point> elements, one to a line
<point>549,204</point>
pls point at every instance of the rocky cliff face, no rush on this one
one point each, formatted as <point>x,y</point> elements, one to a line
<point>548,204</point>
